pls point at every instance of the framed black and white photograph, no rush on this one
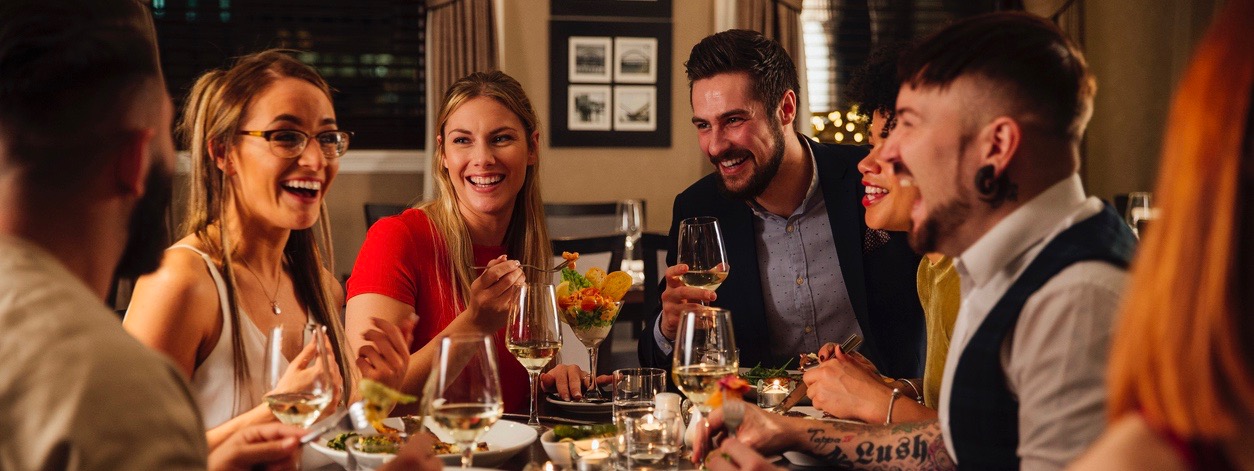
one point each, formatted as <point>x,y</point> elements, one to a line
<point>612,97</point>
<point>589,108</point>
<point>635,60</point>
<point>590,59</point>
<point>635,108</point>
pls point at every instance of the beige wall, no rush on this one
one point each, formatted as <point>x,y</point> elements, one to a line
<point>604,174</point>
<point>345,205</point>
<point>1138,50</point>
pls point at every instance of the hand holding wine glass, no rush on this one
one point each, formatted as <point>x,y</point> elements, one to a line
<point>302,387</point>
<point>465,390</point>
<point>701,248</point>
<point>534,335</point>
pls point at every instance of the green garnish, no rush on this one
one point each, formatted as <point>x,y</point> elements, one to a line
<point>759,372</point>
<point>580,432</point>
<point>577,281</point>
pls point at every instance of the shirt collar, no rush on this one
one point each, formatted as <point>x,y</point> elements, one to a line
<point>810,199</point>
<point>1020,231</point>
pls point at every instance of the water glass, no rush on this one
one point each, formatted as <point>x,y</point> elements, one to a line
<point>635,388</point>
<point>651,443</point>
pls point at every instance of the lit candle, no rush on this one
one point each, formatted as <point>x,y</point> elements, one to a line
<point>594,459</point>
<point>773,394</point>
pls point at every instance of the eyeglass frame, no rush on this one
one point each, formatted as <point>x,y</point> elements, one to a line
<point>266,135</point>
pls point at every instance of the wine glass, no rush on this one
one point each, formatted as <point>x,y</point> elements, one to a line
<point>1139,209</point>
<point>591,325</point>
<point>705,352</point>
<point>701,248</point>
<point>301,403</point>
<point>631,223</point>
<point>534,335</point>
<point>465,390</point>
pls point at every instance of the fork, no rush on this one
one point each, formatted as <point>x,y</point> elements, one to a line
<point>555,269</point>
<point>352,418</point>
<point>733,415</point>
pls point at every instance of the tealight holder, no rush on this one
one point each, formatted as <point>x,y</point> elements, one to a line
<point>773,391</point>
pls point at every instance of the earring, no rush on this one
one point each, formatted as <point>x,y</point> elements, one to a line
<point>986,181</point>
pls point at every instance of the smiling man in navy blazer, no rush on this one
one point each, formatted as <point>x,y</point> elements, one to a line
<point>804,269</point>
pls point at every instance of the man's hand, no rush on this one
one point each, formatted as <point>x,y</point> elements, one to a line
<point>417,454</point>
<point>735,456</point>
<point>844,387</point>
<point>272,446</point>
<point>678,298</point>
<point>569,381</point>
<point>760,430</point>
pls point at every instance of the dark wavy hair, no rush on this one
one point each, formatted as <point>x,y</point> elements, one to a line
<point>874,86</point>
<point>769,67</point>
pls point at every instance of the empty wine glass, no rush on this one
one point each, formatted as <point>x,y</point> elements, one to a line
<point>534,335</point>
<point>465,390</point>
<point>298,392</point>
<point>1139,210</point>
<point>631,223</point>
<point>705,352</point>
<point>701,248</point>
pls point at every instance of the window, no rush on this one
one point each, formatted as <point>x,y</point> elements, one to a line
<point>372,53</point>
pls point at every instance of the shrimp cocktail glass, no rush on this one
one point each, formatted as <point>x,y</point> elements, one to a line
<point>589,303</point>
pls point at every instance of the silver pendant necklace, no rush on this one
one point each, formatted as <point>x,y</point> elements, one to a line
<point>278,279</point>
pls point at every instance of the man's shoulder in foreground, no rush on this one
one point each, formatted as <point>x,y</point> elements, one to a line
<point>79,392</point>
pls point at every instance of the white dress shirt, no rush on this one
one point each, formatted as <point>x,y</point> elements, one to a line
<point>1055,359</point>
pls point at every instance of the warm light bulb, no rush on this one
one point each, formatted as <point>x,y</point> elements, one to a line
<point>834,117</point>
<point>857,137</point>
<point>849,127</point>
<point>840,137</point>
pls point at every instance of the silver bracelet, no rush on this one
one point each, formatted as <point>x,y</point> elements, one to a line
<point>917,393</point>
<point>891,400</point>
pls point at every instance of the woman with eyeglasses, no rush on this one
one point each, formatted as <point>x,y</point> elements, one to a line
<point>265,147</point>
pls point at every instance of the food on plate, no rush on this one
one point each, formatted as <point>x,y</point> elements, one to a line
<point>380,400</point>
<point>389,444</point>
<point>759,372</point>
<point>581,432</point>
<point>591,300</point>
<point>730,387</point>
<point>808,360</point>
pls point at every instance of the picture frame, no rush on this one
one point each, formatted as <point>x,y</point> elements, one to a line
<point>645,118</point>
<point>588,59</point>
<point>588,108</point>
<point>635,60</point>
<point>635,108</point>
<point>612,8</point>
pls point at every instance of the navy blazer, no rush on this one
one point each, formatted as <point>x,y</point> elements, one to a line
<point>881,284</point>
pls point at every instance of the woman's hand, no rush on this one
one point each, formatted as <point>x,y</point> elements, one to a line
<point>847,387</point>
<point>569,381</point>
<point>304,371</point>
<point>385,356</point>
<point>735,456</point>
<point>492,293</point>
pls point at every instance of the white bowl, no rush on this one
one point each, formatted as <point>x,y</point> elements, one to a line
<point>504,439</point>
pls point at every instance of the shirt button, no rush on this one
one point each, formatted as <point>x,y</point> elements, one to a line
<point>809,329</point>
<point>789,228</point>
<point>800,280</point>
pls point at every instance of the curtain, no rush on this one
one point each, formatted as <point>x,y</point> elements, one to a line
<point>462,39</point>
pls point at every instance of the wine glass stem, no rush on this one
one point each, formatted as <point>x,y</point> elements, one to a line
<point>534,420</point>
<point>468,449</point>
<point>593,391</point>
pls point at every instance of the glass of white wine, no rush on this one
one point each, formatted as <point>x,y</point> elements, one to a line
<point>534,335</point>
<point>298,393</point>
<point>701,248</point>
<point>465,390</point>
<point>1139,211</point>
<point>705,352</point>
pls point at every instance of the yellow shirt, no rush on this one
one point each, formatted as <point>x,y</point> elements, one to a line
<point>940,295</point>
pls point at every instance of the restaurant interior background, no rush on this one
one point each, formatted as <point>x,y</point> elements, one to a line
<point>374,52</point>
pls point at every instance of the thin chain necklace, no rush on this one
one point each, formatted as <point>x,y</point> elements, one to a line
<point>278,280</point>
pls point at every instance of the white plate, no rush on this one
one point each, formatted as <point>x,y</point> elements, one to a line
<point>587,408</point>
<point>504,439</point>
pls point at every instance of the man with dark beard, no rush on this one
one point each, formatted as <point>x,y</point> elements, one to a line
<point>804,269</point>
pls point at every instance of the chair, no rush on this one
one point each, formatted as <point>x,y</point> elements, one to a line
<point>566,220</point>
<point>653,248</point>
<point>604,251</point>
<point>377,211</point>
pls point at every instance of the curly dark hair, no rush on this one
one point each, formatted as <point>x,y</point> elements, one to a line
<point>874,85</point>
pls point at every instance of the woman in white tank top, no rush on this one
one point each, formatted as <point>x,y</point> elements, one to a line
<point>265,147</point>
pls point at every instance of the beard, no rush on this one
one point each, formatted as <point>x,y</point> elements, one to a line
<point>148,232</point>
<point>761,177</point>
<point>943,220</point>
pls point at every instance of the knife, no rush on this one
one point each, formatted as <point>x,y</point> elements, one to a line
<point>850,345</point>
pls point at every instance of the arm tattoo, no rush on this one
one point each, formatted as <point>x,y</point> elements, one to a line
<point>908,446</point>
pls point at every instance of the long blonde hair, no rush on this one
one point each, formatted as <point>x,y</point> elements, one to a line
<point>209,127</point>
<point>1182,355</point>
<point>527,236</point>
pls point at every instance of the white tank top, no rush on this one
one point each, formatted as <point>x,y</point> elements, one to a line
<point>213,381</point>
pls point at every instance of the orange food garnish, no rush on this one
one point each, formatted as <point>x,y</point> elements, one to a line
<point>572,256</point>
<point>730,387</point>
